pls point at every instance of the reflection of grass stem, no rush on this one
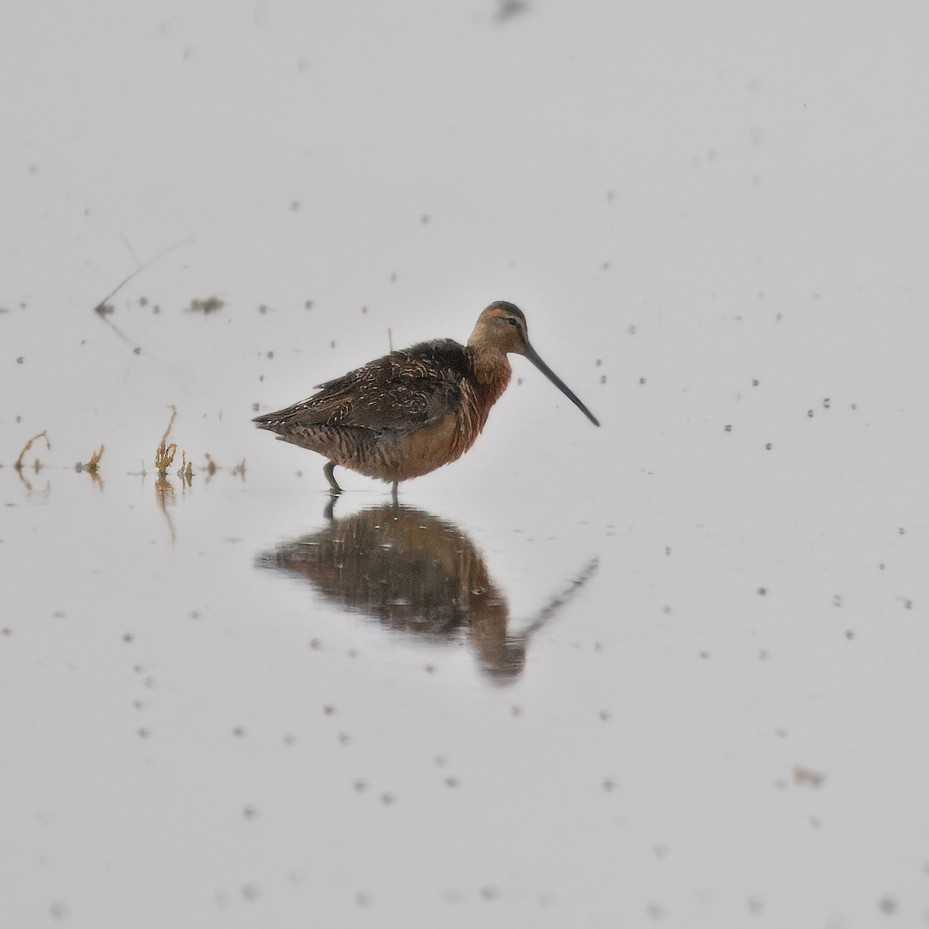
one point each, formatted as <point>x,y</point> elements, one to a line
<point>19,461</point>
<point>212,467</point>
<point>164,493</point>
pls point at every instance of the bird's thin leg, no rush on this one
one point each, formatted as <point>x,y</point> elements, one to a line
<point>393,491</point>
<point>333,483</point>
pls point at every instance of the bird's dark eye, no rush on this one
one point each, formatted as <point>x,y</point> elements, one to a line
<point>511,321</point>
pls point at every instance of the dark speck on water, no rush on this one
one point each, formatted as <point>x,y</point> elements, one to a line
<point>206,306</point>
<point>887,905</point>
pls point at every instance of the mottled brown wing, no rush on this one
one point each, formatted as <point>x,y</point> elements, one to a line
<point>401,391</point>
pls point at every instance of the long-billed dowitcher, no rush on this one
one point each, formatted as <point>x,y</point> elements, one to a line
<point>414,410</point>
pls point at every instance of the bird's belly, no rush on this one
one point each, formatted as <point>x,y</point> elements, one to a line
<point>392,454</point>
<point>428,448</point>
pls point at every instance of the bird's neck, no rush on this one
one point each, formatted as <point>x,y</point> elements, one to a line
<point>491,368</point>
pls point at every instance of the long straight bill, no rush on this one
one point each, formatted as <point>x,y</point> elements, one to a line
<point>533,356</point>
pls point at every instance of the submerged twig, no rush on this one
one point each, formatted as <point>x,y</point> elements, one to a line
<point>104,310</point>
<point>101,308</point>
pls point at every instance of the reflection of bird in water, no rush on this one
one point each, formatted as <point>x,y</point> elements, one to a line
<point>412,411</point>
<point>418,574</point>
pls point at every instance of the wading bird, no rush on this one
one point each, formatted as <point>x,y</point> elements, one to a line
<point>414,410</point>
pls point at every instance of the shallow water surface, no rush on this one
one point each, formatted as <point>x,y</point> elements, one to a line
<point>666,672</point>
